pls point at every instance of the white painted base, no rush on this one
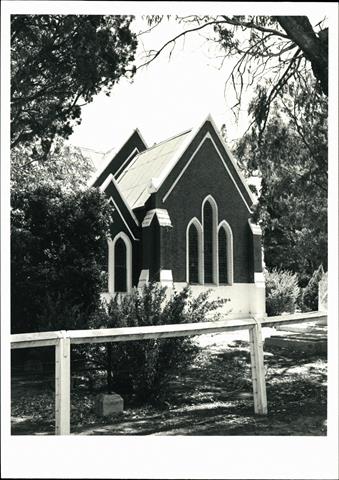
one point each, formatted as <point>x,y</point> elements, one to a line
<point>166,278</point>
<point>144,278</point>
<point>246,299</point>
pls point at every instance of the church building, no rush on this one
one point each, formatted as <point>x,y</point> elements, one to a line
<point>182,216</point>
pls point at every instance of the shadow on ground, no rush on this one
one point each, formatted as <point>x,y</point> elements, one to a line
<point>213,397</point>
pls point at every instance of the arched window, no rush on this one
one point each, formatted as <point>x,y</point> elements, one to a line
<point>209,247</point>
<point>209,213</point>
<point>193,254</point>
<point>225,253</point>
<point>120,266</point>
<point>194,270</point>
<point>222,241</point>
<point>208,243</point>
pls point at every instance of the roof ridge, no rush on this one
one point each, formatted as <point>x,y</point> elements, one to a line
<point>166,140</point>
<point>137,156</point>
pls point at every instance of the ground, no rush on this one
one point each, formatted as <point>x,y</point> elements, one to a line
<point>212,397</point>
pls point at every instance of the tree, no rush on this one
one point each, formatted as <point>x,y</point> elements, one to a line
<point>58,64</point>
<point>291,160</point>
<point>64,166</point>
<point>58,254</point>
<point>270,51</point>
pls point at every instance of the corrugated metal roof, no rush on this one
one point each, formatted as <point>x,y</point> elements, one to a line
<point>136,179</point>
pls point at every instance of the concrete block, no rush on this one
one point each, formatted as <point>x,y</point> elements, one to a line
<point>108,404</point>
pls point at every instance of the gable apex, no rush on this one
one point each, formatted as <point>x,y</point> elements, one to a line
<point>120,157</point>
<point>193,133</point>
<point>158,182</point>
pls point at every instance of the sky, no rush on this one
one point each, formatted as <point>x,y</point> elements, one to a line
<point>168,96</point>
<point>172,94</point>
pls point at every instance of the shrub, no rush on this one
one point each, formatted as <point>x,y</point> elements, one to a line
<point>282,292</point>
<point>55,278</point>
<point>142,368</point>
<point>310,292</point>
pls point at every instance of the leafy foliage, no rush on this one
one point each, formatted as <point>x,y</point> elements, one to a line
<point>282,292</point>
<point>143,367</point>
<point>290,159</point>
<point>310,292</point>
<point>58,247</point>
<point>59,62</point>
<point>64,166</point>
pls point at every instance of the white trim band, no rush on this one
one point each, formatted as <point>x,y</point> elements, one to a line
<point>162,215</point>
<point>207,136</point>
<point>256,230</point>
<point>111,261</point>
<point>103,188</point>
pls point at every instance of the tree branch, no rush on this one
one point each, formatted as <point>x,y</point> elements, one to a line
<point>214,22</point>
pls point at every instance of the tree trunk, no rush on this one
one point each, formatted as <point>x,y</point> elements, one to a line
<point>313,46</point>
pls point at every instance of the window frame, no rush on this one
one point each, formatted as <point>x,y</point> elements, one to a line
<point>215,246</point>
<point>194,221</point>
<point>229,250</point>
<point>111,262</point>
<point>215,255</point>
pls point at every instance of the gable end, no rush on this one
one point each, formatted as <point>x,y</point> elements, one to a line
<point>134,145</point>
<point>206,133</point>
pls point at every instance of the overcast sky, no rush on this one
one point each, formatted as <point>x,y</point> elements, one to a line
<point>166,97</point>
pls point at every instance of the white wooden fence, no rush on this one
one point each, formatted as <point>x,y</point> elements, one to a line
<point>62,340</point>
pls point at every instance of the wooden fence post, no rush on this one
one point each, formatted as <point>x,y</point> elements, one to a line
<point>62,385</point>
<point>258,370</point>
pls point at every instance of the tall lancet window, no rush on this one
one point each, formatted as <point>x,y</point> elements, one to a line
<point>120,266</point>
<point>222,241</point>
<point>193,254</point>
<point>208,242</point>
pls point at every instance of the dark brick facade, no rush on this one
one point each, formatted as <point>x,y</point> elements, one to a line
<point>206,175</point>
<point>164,248</point>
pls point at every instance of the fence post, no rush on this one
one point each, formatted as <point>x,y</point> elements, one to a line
<point>258,370</point>
<point>62,385</point>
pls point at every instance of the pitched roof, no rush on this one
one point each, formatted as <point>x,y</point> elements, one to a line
<point>135,181</point>
<point>147,171</point>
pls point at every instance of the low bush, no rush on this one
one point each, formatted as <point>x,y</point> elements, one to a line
<point>309,299</point>
<point>282,292</point>
<point>142,368</point>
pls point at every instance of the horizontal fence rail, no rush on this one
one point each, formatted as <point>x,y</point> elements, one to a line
<point>62,340</point>
<point>103,335</point>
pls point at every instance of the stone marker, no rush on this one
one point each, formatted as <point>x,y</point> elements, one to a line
<point>108,404</point>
